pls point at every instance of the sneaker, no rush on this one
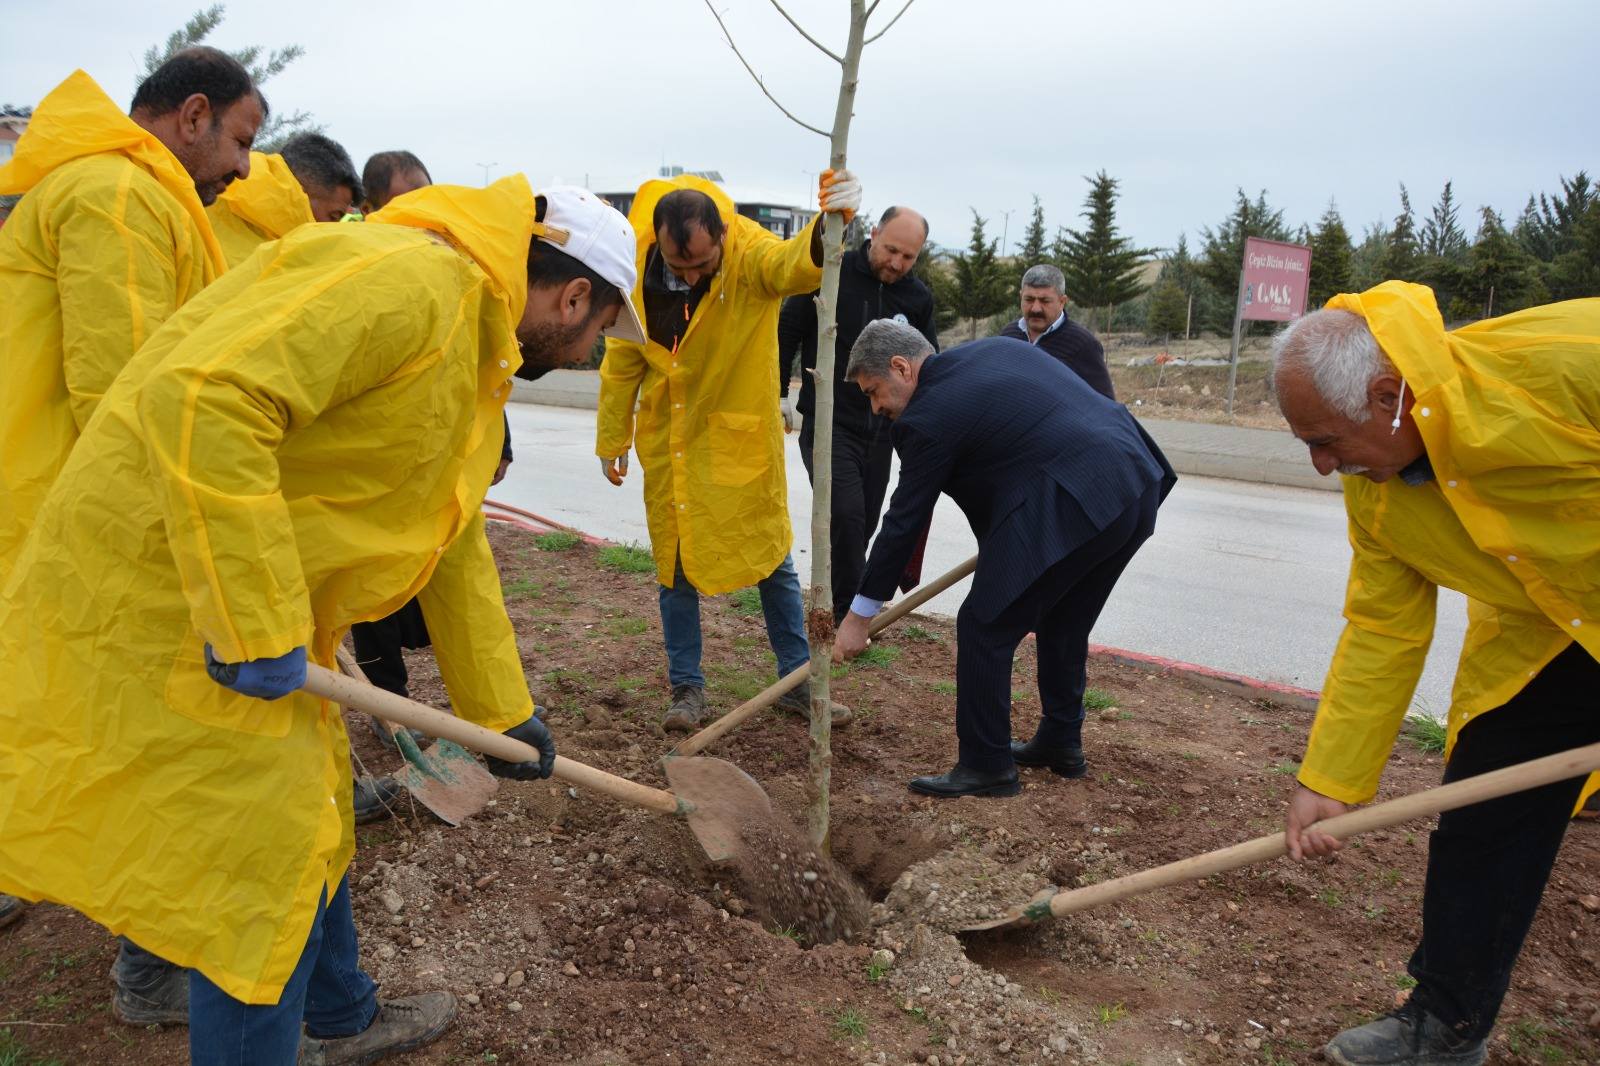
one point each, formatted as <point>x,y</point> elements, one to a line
<point>798,701</point>
<point>401,1025</point>
<point>373,798</point>
<point>1408,1037</point>
<point>165,1002</point>
<point>11,908</point>
<point>688,708</point>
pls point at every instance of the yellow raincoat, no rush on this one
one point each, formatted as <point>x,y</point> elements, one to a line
<point>109,240</point>
<point>305,445</point>
<point>709,433</point>
<point>1509,411</point>
<point>263,207</point>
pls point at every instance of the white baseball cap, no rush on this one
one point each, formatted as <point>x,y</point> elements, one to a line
<point>598,236</point>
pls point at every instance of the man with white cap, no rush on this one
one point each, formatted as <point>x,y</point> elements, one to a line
<point>303,446</point>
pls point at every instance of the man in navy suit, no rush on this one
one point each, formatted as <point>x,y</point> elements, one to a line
<point>1061,486</point>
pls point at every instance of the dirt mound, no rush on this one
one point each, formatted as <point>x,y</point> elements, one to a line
<point>797,888</point>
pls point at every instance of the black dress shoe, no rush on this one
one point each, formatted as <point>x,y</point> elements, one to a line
<point>961,781</point>
<point>1066,760</point>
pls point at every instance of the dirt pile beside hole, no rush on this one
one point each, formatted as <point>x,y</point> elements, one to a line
<point>797,888</point>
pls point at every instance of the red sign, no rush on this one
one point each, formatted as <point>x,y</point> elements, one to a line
<point>1275,280</point>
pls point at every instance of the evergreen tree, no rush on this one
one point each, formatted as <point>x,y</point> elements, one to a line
<point>1102,267</point>
<point>1033,248</point>
<point>1442,236</point>
<point>1366,262</point>
<point>1168,311</point>
<point>1500,276</point>
<point>261,63</point>
<point>1222,255</point>
<point>1402,257</point>
<point>1331,253</point>
<point>980,279</point>
<point>1575,273</point>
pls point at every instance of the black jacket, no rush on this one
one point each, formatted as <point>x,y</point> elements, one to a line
<point>1036,459</point>
<point>862,299</point>
<point>1077,348</point>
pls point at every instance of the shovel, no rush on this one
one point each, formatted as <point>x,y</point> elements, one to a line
<point>446,779</point>
<point>716,798</point>
<point>772,693</point>
<point>1053,903</point>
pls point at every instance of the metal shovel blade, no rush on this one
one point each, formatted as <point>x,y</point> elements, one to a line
<point>719,800</point>
<point>446,778</point>
<point>1035,910</point>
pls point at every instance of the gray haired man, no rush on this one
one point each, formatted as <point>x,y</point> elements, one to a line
<point>1045,325</point>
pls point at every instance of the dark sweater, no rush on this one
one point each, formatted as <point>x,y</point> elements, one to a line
<point>862,299</point>
<point>1077,348</point>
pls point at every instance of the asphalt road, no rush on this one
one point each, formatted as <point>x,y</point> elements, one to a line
<point>1241,577</point>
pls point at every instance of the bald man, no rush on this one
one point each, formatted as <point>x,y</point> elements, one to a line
<point>874,282</point>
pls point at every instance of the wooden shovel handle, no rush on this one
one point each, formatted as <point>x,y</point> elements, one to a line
<point>792,680</point>
<point>1532,774</point>
<point>320,681</point>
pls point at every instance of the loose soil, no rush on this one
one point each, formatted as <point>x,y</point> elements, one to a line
<point>576,930</point>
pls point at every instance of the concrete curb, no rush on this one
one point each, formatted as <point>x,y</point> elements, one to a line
<point>1206,677</point>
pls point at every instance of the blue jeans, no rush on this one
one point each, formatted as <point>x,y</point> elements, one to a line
<point>780,604</point>
<point>328,992</point>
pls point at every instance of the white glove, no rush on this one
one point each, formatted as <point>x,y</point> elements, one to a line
<point>615,469</point>
<point>791,419</point>
<point>839,191</point>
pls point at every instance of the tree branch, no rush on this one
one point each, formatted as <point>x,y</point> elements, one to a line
<point>801,30</point>
<point>763,85</point>
<point>892,21</point>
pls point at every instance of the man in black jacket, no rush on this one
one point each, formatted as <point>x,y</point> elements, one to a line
<point>1044,324</point>
<point>1061,487</point>
<point>874,282</point>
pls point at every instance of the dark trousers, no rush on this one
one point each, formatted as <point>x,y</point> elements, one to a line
<point>860,480</point>
<point>1060,608</point>
<point>1488,863</point>
<point>379,645</point>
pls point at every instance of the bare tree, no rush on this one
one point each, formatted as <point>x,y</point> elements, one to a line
<point>819,620</point>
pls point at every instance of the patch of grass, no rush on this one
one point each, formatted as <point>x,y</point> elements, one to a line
<point>630,684</point>
<point>788,932</point>
<point>733,681</point>
<point>1330,897</point>
<point>1402,980</point>
<point>1097,699</point>
<point>60,964</point>
<point>1110,1014</point>
<point>13,1052</point>
<point>559,541</point>
<point>563,676</point>
<point>747,642</point>
<point>1372,914</point>
<point>522,588</point>
<point>849,1022</point>
<point>52,1000</point>
<point>1428,734</point>
<point>1188,756</point>
<point>626,627</point>
<point>629,558</point>
<point>1287,767</point>
<point>746,601</point>
<point>1391,877</point>
<point>916,633</point>
<point>945,688</point>
<point>876,971</point>
<point>878,655</point>
<point>1529,1037</point>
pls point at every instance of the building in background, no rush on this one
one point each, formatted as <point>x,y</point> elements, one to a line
<point>12,122</point>
<point>770,210</point>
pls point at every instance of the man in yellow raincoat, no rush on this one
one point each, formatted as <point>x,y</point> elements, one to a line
<point>304,445</point>
<point>709,431</point>
<point>109,240</point>
<point>1472,462</point>
<point>311,180</point>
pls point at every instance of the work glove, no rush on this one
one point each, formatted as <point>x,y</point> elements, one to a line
<point>265,679</point>
<point>791,418</point>
<point>532,732</point>
<point>839,191</point>
<point>615,469</point>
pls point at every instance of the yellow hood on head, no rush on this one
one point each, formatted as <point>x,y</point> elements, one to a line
<point>78,119</point>
<point>492,225</point>
<point>1405,319</point>
<point>641,214</point>
<point>270,199</point>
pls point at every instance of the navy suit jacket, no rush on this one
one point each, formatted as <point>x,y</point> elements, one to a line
<point>1037,460</point>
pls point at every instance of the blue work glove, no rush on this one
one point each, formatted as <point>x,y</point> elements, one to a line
<point>265,679</point>
<point>532,732</point>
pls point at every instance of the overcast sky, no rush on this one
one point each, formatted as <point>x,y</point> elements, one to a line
<point>961,104</point>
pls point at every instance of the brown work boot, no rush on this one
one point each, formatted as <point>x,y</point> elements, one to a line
<point>164,1001</point>
<point>687,710</point>
<point>401,1025</point>
<point>798,701</point>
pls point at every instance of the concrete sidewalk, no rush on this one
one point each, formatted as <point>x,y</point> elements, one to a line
<point>1266,456</point>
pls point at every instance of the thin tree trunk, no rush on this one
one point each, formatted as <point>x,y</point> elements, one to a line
<point>820,621</point>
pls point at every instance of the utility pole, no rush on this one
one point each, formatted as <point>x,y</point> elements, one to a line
<point>1005,230</point>
<point>486,168</point>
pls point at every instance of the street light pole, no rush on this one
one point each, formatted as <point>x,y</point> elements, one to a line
<point>486,167</point>
<point>1005,232</point>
